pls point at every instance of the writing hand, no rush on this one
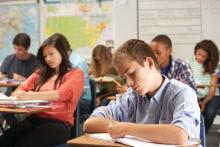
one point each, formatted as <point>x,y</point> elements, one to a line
<point>18,77</point>
<point>22,95</point>
<point>202,106</point>
<point>121,89</point>
<point>117,129</point>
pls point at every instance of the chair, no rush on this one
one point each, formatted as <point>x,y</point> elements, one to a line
<point>93,94</point>
<point>202,131</point>
<point>76,127</point>
<point>93,100</point>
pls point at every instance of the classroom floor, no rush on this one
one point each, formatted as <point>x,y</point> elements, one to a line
<point>213,137</point>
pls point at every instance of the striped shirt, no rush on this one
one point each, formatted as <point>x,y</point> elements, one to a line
<point>201,78</point>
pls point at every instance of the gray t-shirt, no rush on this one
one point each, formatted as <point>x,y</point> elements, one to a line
<point>12,64</point>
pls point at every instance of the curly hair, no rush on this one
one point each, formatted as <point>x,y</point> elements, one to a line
<point>211,62</point>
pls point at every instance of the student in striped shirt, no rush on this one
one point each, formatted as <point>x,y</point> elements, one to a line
<point>204,67</point>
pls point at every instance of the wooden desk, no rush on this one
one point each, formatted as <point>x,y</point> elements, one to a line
<point>9,84</point>
<point>86,141</point>
<point>24,110</point>
<point>205,85</point>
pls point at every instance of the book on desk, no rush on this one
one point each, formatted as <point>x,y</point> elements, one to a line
<point>138,142</point>
<point>12,102</point>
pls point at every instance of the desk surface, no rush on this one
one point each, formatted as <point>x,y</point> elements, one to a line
<point>85,140</point>
<point>206,85</point>
<point>9,84</point>
<point>24,110</point>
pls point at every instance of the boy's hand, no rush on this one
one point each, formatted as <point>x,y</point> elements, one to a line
<point>18,77</point>
<point>117,129</point>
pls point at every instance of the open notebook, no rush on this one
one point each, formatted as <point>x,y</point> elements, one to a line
<point>136,141</point>
<point>6,101</point>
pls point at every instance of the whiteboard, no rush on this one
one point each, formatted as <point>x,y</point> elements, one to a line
<point>180,20</point>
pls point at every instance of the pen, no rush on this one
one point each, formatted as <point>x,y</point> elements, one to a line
<point>116,82</point>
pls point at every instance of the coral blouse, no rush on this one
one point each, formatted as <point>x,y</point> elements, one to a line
<point>69,91</point>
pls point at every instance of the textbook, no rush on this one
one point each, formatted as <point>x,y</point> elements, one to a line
<point>104,79</point>
<point>11,102</point>
<point>136,141</point>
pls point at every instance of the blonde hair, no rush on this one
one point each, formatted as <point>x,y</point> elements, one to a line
<point>104,55</point>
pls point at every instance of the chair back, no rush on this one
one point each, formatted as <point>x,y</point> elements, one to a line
<point>76,126</point>
<point>202,131</point>
<point>93,94</point>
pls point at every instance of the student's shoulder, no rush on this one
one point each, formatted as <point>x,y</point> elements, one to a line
<point>74,72</point>
<point>10,58</point>
<point>178,86</point>
<point>180,62</point>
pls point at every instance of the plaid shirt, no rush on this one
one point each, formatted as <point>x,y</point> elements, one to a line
<point>181,71</point>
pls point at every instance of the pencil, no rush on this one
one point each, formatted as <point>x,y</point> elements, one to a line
<point>108,114</point>
<point>116,82</point>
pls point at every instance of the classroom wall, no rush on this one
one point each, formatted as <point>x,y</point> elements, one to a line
<point>126,19</point>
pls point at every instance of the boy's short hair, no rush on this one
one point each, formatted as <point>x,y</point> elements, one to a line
<point>22,39</point>
<point>135,49</point>
<point>164,39</point>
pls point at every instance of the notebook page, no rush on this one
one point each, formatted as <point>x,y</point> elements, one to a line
<point>102,136</point>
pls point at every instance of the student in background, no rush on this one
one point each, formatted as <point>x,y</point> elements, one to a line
<point>170,66</point>
<point>152,99</point>
<point>101,65</point>
<point>57,82</point>
<point>204,67</point>
<point>18,66</point>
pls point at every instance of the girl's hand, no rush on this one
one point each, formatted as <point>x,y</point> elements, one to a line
<point>121,89</point>
<point>202,106</point>
<point>97,101</point>
<point>22,95</point>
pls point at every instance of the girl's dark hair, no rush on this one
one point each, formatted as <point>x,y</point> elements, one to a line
<point>61,44</point>
<point>211,62</point>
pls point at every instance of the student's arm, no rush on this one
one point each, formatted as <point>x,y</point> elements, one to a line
<point>18,77</point>
<point>211,93</point>
<point>160,133</point>
<point>72,87</point>
<point>96,125</point>
<point>186,75</point>
<point>30,95</point>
